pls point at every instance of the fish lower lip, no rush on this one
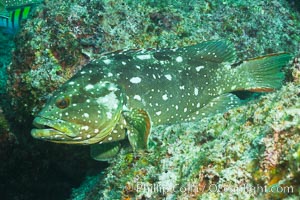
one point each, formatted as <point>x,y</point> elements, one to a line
<point>45,127</point>
<point>45,133</point>
<point>51,128</point>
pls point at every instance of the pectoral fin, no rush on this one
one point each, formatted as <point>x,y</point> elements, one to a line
<point>138,124</point>
<point>105,151</point>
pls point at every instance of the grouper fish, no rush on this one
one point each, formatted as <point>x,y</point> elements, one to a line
<point>124,93</point>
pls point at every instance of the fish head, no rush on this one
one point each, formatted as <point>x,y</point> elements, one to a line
<point>80,112</point>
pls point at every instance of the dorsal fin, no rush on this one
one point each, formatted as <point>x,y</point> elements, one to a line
<point>218,51</point>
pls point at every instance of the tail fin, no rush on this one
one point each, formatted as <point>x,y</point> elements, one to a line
<point>262,74</point>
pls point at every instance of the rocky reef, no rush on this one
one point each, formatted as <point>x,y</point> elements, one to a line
<point>242,153</point>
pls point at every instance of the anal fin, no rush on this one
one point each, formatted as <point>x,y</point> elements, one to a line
<point>105,151</point>
<point>219,104</point>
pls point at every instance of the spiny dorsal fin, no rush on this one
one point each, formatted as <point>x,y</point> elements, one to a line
<point>218,51</point>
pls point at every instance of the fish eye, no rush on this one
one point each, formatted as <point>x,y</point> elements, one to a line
<point>62,102</point>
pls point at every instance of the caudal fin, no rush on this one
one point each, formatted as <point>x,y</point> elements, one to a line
<point>262,74</point>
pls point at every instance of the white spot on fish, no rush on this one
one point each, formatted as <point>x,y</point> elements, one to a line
<point>109,115</point>
<point>88,136</point>
<point>86,115</point>
<point>181,87</point>
<point>71,83</point>
<point>109,139</point>
<point>199,68</point>
<point>158,113</point>
<point>185,109</point>
<point>110,101</point>
<point>179,59</point>
<point>77,138</point>
<point>107,61</point>
<point>196,91</point>
<point>109,74</point>
<point>168,76</point>
<point>144,57</point>
<point>165,97</point>
<point>123,63</point>
<point>89,87</point>
<point>85,128</point>
<point>96,131</point>
<point>135,80</point>
<point>137,97</point>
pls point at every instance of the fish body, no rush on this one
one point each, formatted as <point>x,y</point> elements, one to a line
<point>13,12</point>
<point>126,92</point>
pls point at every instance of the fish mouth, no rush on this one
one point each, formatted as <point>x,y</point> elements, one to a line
<point>49,129</point>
